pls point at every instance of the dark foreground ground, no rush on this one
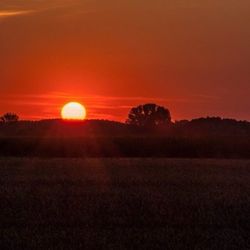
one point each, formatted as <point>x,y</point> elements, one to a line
<point>124,204</point>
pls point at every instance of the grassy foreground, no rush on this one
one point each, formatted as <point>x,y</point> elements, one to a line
<point>124,204</point>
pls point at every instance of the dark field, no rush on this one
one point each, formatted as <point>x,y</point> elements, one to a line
<point>124,204</point>
<point>160,146</point>
<point>200,138</point>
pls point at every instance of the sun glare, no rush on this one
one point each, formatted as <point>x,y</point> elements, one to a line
<point>73,111</point>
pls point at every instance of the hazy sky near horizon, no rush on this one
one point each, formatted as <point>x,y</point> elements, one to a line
<point>192,56</point>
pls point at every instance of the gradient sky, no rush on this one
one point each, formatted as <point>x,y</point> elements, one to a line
<point>193,56</point>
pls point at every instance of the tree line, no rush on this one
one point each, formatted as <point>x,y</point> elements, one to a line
<point>146,115</point>
<point>147,132</point>
<point>149,118</point>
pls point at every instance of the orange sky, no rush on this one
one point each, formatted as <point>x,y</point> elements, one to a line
<point>192,56</point>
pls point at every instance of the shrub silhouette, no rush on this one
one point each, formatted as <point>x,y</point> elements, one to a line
<point>9,117</point>
<point>149,115</point>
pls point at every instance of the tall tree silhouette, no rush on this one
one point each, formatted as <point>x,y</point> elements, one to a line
<point>9,117</point>
<point>149,115</point>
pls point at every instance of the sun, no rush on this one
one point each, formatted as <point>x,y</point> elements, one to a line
<point>73,111</point>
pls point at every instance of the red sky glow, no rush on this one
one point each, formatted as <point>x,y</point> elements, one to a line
<point>190,56</point>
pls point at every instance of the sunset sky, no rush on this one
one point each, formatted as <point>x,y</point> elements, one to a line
<point>192,56</point>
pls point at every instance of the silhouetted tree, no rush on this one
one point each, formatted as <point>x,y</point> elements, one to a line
<point>9,117</point>
<point>149,115</point>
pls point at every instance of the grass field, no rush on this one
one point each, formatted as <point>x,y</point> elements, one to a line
<point>124,204</point>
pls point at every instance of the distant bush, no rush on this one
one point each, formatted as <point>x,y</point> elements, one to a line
<point>149,115</point>
<point>9,117</point>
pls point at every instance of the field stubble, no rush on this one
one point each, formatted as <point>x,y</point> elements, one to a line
<point>112,203</point>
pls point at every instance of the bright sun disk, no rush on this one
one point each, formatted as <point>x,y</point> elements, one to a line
<point>73,111</point>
